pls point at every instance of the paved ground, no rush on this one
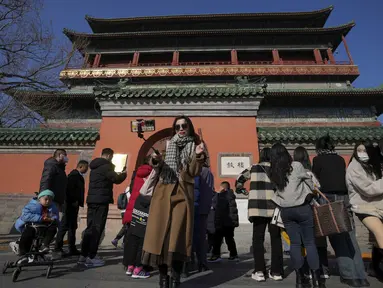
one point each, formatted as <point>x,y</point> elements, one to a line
<point>67,273</point>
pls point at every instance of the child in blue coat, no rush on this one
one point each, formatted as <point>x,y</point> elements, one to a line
<point>40,210</point>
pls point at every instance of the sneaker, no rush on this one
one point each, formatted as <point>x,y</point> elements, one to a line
<point>140,273</point>
<point>214,259</point>
<point>129,271</point>
<point>308,276</point>
<point>115,243</point>
<point>23,260</point>
<point>44,249</point>
<point>14,247</point>
<point>275,277</point>
<point>81,260</point>
<point>258,276</point>
<point>233,258</point>
<point>95,262</point>
<point>325,276</point>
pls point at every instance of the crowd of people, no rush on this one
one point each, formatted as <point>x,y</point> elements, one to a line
<point>172,212</point>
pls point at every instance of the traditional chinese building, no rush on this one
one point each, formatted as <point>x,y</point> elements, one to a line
<point>246,80</point>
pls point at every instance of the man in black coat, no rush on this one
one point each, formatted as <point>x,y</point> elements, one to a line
<point>74,200</point>
<point>54,177</point>
<point>100,195</point>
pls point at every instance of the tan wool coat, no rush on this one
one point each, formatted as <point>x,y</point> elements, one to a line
<point>170,224</point>
<point>365,191</point>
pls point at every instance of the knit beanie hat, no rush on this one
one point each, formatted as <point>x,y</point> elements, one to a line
<point>46,192</point>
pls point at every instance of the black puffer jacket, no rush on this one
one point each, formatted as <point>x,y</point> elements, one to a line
<point>54,179</point>
<point>76,188</point>
<point>101,180</point>
<point>226,212</point>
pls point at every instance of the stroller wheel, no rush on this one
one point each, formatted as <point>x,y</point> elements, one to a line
<point>49,271</point>
<point>5,267</point>
<point>16,274</point>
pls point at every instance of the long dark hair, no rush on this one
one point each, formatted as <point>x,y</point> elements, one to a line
<point>372,166</point>
<point>325,143</point>
<point>301,155</point>
<point>280,165</point>
<point>190,127</point>
<point>264,155</point>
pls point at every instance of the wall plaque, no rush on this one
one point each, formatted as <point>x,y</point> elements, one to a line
<point>232,164</point>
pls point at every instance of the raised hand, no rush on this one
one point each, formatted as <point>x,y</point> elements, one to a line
<point>200,149</point>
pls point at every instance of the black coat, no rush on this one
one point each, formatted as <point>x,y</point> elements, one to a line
<point>101,180</point>
<point>225,210</point>
<point>76,188</point>
<point>330,169</point>
<point>140,216</point>
<point>54,179</point>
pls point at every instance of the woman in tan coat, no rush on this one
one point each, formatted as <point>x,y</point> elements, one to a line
<point>169,234</point>
<point>365,187</point>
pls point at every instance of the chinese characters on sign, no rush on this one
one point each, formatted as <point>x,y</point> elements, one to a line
<point>232,165</point>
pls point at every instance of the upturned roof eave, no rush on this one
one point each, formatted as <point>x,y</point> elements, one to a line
<point>325,12</point>
<point>343,29</point>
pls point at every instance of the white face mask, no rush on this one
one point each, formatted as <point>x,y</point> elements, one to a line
<point>83,174</point>
<point>363,156</point>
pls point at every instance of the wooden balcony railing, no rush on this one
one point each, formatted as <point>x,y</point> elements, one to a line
<point>212,63</point>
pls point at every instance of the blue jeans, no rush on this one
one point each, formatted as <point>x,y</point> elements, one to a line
<point>299,225</point>
<point>346,247</point>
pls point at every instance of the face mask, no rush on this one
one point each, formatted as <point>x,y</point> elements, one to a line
<point>66,159</point>
<point>83,174</point>
<point>363,156</point>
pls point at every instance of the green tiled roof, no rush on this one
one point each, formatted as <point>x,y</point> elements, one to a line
<point>311,134</point>
<point>48,137</point>
<point>177,91</point>
<point>223,90</point>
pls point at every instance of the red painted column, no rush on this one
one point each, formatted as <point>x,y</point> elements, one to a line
<point>347,50</point>
<point>234,57</point>
<point>331,57</point>
<point>176,58</point>
<point>318,56</point>
<point>96,62</point>
<point>276,59</point>
<point>136,57</point>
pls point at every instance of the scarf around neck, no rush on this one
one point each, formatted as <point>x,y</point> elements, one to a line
<point>178,155</point>
<point>326,152</point>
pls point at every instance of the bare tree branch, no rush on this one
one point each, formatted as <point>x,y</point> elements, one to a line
<point>30,60</point>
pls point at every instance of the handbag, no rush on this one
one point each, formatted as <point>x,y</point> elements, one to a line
<point>276,219</point>
<point>150,183</point>
<point>331,218</point>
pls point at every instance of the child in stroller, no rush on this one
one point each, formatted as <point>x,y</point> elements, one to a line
<point>38,224</point>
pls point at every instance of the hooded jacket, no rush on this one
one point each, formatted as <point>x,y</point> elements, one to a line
<point>54,179</point>
<point>142,172</point>
<point>101,180</point>
<point>33,212</point>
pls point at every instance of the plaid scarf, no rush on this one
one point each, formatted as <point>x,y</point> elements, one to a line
<point>326,152</point>
<point>178,155</point>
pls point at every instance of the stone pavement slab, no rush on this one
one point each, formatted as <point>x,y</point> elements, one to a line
<point>67,273</point>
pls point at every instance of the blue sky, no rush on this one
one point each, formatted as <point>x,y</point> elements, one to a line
<point>365,39</point>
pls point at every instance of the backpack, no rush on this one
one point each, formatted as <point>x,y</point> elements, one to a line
<point>122,201</point>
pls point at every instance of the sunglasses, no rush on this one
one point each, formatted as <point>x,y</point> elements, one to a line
<point>184,127</point>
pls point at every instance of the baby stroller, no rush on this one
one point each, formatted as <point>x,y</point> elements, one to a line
<point>34,257</point>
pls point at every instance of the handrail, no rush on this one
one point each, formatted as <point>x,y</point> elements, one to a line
<point>223,63</point>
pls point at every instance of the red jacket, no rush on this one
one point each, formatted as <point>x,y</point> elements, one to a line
<point>142,172</point>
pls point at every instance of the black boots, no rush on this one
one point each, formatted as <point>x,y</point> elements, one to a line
<point>318,282</point>
<point>376,259</point>
<point>175,281</point>
<point>164,281</point>
<point>301,280</point>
